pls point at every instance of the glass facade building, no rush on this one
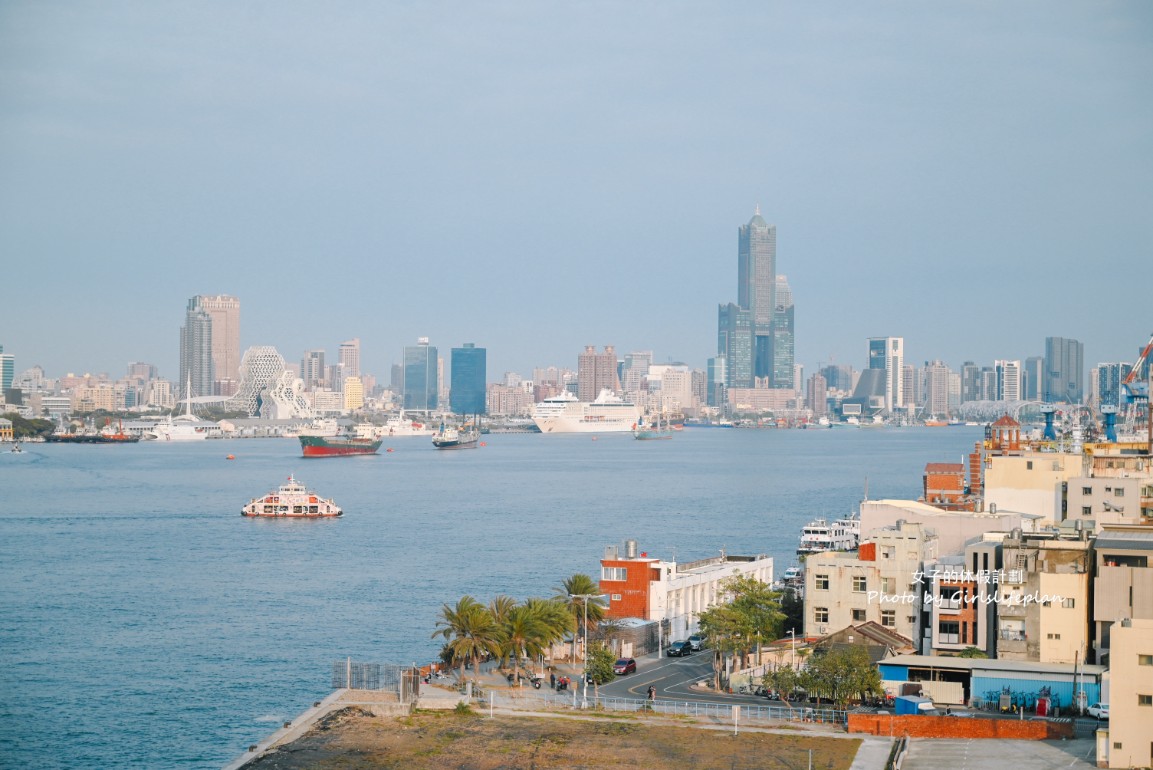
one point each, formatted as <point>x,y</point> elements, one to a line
<point>468,380</point>
<point>421,381</point>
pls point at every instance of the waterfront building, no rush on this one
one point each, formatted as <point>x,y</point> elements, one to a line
<point>349,357</point>
<point>1126,739</point>
<point>1008,380</point>
<point>887,354</point>
<point>937,388</point>
<point>468,373</point>
<point>952,528</point>
<point>353,394</point>
<point>1064,371</point>
<point>267,388</point>
<point>421,377</point>
<point>756,287</point>
<point>1043,597</point>
<point>816,396</point>
<point>784,336</point>
<point>877,582</point>
<point>596,372</point>
<point>7,432</point>
<point>640,586</point>
<point>210,343</point>
<point>762,400</point>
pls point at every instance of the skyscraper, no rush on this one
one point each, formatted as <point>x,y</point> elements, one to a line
<point>783,335</point>
<point>1008,380</point>
<point>596,372</point>
<point>349,357</point>
<point>888,354</point>
<point>210,343</point>
<point>312,370</point>
<point>735,344</point>
<point>421,383</point>
<point>756,287</point>
<point>468,380</point>
<point>7,370</point>
<point>197,370</point>
<point>1032,378</point>
<point>1064,371</point>
<point>1109,379</point>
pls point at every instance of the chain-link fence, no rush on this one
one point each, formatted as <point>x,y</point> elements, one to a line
<point>404,681</point>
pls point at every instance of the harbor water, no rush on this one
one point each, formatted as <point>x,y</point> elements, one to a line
<point>145,623</point>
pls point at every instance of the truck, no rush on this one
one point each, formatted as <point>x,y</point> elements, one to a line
<point>914,704</point>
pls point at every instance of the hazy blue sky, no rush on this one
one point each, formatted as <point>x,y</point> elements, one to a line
<point>534,177</point>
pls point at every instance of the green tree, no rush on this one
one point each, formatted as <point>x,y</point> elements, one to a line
<point>570,593</point>
<point>749,615</point>
<point>972,652</point>
<point>599,665</point>
<point>470,631</point>
<point>784,679</point>
<point>841,674</point>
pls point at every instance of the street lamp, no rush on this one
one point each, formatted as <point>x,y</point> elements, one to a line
<point>585,675</point>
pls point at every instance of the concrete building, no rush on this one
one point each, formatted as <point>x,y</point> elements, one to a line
<point>1043,598</point>
<point>887,354</point>
<point>954,529</point>
<point>640,586</point>
<point>1064,371</point>
<point>756,288</point>
<point>1123,587</point>
<point>596,372</point>
<point>349,357</point>
<point>959,603</point>
<point>1126,740</point>
<point>1008,380</point>
<point>879,582</point>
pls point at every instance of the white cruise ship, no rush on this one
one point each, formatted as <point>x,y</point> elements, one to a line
<point>566,414</point>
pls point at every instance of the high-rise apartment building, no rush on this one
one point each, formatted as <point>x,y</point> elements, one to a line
<point>756,286</point>
<point>888,354</point>
<point>1033,378</point>
<point>1064,371</point>
<point>783,334</point>
<point>596,372</point>
<point>468,379</point>
<point>349,357</point>
<point>1008,380</point>
<point>421,380</point>
<point>816,395</point>
<point>937,382</point>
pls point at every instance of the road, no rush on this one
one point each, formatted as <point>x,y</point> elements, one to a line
<point>672,678</point>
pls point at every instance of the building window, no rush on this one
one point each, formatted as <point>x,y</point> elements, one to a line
<point>886,585</point>
<point>888,618</point>
<point>1055,637</point>
<point>821,614</point>
<point>858,616</point>
<point>1145,660</point>
<point>1029,465</point>
<point>1086,510</point>
<point>1067,603</point>
<point>1144,700</point>
<point>1086,490</point>
<point>859,584</point>
<point>1117,745</point>
<point>614,573</point>
<point>949,632</point>
<point>616,597</point>
<point>888,551</point>
<point>821,583</point>
<point>1119,492</point>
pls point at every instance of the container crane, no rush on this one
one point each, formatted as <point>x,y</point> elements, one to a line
<point>1136,393</point>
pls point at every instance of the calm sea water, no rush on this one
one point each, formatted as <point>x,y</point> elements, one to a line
<point>144,622</point>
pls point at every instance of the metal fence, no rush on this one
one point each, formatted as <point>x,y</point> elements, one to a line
<point>404,681</point>
<point>721,712</point>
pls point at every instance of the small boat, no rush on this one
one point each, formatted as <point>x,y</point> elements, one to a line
<point>16,449</point>
<point>464,437</point>
<point>292,500</point>
<point>657,428</point>
<point>106,436</point>
<point>338,446</point>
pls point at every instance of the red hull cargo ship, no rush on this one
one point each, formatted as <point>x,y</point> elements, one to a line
<point>338,446</point>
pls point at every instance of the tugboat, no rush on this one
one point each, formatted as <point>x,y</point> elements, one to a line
<point>464,437</point>
<point>292,500</point>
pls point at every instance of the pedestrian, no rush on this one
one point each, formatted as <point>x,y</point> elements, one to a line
<point>552,680</point>
<point>652,692</point>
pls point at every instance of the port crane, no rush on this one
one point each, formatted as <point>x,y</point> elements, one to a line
<point>1136,393</point>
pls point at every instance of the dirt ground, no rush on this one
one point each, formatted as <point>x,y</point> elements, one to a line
<point>351,739</point>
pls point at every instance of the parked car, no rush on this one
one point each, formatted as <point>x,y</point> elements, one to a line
<point>679,649</point>
<point>1099,710</point>
<point>625,666</point>
<point>696,641</point>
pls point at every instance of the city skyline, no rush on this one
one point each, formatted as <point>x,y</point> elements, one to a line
<point>972,180</point>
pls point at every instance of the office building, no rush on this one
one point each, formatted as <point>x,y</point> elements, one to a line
<point>209,343</point>
<point>596,372</point>
<point>936,382</point>
<point>349,357</point>
<point>421,377</point>
<point>1033,378</point>
<point>312,371</point>
<point>1064,371</point>
<point>735,344</point>
<point>783,336</point>
<point>1109,379</point>
<point>468,380</point>
<point>756,287</point>
<point>7,370</point>
<point>816,396</point>
<point>887,354</point>
<point>1008,380</point>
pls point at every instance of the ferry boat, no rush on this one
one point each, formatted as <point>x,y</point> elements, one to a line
<point>292,500</point>
<point>399,425</point>
<point>338,446</point>
<point>566,414</point>
<point>819,535</point>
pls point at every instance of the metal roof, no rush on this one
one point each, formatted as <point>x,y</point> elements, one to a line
<point>985,664</point>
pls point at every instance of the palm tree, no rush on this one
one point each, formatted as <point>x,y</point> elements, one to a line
<point>500,607</point>
<point>470,631</point>
<point>555,622</point>
<point>571,593</point>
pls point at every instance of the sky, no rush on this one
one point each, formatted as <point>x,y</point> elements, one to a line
<point>538,177</point>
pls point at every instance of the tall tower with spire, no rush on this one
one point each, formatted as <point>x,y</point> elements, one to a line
<point>756,287</point>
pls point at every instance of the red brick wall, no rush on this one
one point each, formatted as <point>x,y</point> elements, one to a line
<point>959,727</point>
